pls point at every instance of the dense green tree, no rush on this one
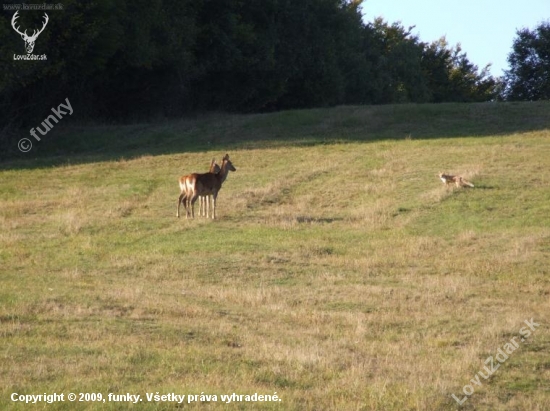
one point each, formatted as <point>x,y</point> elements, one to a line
<point>467,83</point>
<point>124,59</point>
<point>397,74</point>
<point>437,65</point>
<point>452,77</point>
<point>529,74</point>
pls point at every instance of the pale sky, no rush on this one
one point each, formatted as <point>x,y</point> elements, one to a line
<point>486,29</point>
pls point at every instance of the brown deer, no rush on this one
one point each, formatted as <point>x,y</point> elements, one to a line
<point>208,183</point>
<point>184,182</point>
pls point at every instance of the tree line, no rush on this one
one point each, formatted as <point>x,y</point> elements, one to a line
<point>120,60</point>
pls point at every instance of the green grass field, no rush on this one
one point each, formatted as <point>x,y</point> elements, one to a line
<point>341,274</point>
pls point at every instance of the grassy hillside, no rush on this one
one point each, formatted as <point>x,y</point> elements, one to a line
<point>341,273</point>
<point>72,143</point>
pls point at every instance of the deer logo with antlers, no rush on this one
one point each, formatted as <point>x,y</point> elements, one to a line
<point>29,40</point>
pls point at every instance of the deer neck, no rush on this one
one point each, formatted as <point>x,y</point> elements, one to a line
<point>222,175</point>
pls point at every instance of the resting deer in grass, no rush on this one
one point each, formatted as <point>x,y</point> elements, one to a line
<point>184,182</point>
<point>208,183</point>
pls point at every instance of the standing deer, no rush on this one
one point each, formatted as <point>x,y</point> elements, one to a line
<point>29,40</point>
<point>208,183</point>
<point>184,182</point>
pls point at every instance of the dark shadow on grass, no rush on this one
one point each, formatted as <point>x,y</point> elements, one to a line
<point>307,219</point>
<point>72,144</point>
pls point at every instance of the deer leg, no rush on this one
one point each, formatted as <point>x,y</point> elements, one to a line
<point>193,199</point>
<point>214,196</point>
<point>203,205</point>
<point>180,199</point>
<point>187,200</point>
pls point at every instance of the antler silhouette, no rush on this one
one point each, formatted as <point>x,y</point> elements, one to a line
<point>15,17</point>
<point>29,40</point>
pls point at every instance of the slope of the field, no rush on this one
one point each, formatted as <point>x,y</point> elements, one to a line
<point>341,274</point>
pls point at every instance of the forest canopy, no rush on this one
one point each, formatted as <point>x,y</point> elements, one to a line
<point>120,59</point>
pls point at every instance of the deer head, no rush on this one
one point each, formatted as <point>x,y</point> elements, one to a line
<point>29,40</point>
